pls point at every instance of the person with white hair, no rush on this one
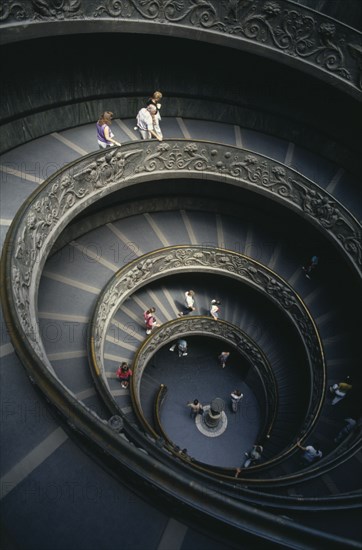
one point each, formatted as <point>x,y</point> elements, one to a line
<point>148,123</point>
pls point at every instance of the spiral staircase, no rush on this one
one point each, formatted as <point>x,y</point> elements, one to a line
<point>243,190</point>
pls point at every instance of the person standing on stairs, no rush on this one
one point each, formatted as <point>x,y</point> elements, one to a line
<point>150,319</point>
<point>181,347</point>
<point>105,136</point>
<point>236,396</point>
<point>223,357</point>
<point>252,457</point>
<point>148,123</point>
<point>350,424</point>
<point>195,408</point>
<point>155,99</point>
<point>310,266</point>
<point>214,309</point>
<point>340,390</point>
<point>148,313</point>
<point>189,303</point>
<point>124,373</point>
<point>310,454</point>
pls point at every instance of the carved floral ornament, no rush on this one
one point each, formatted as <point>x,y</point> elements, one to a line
<point>222,262</point>
<point>289,29</point>
<point>87,180</point>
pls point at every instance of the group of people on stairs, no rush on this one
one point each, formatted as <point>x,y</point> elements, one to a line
<point>148,123</point>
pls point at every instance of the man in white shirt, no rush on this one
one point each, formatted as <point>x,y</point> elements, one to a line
<point>148,123</point>
<point>189,303</point>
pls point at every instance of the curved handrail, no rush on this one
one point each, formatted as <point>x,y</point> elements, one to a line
<point>160,396</point>
<point>240,487</point>
<point>83,182</point>
<point>28,243</point>
<point>174,449</point>
<point>327,48</point>
<point>165,441</point>
<point>199,325</point>
<point>50,208</point>
<point>339,456</point>
<point>178,259</point>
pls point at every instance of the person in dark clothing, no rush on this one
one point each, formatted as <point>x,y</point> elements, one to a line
<point>310,454</point>
<point>155,99</point>
<point>310,266</point>
<point>181,347</point>
<point>349,425</point>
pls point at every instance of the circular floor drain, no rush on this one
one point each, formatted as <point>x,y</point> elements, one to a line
<point>211,432</point>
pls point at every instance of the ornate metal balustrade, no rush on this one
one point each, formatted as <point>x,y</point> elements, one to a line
<point>207,327</point>
<point>232,335</point>
<point>28,243</point>
<point>177,259</point>
<point>281,29</point>
<point>53,205</point>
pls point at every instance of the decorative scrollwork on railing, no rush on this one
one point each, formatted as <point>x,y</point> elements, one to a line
<point>12,9</point>
<point>55,204</point>
<point>280,26</point>
<point>265,175</point>
<point>171,260</point>
<point>90,178</point>
<point>27,245</point>
<point>62,9</point>
<point>295,31</point>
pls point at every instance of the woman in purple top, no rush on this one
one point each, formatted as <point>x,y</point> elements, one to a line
<point>105,136</point>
